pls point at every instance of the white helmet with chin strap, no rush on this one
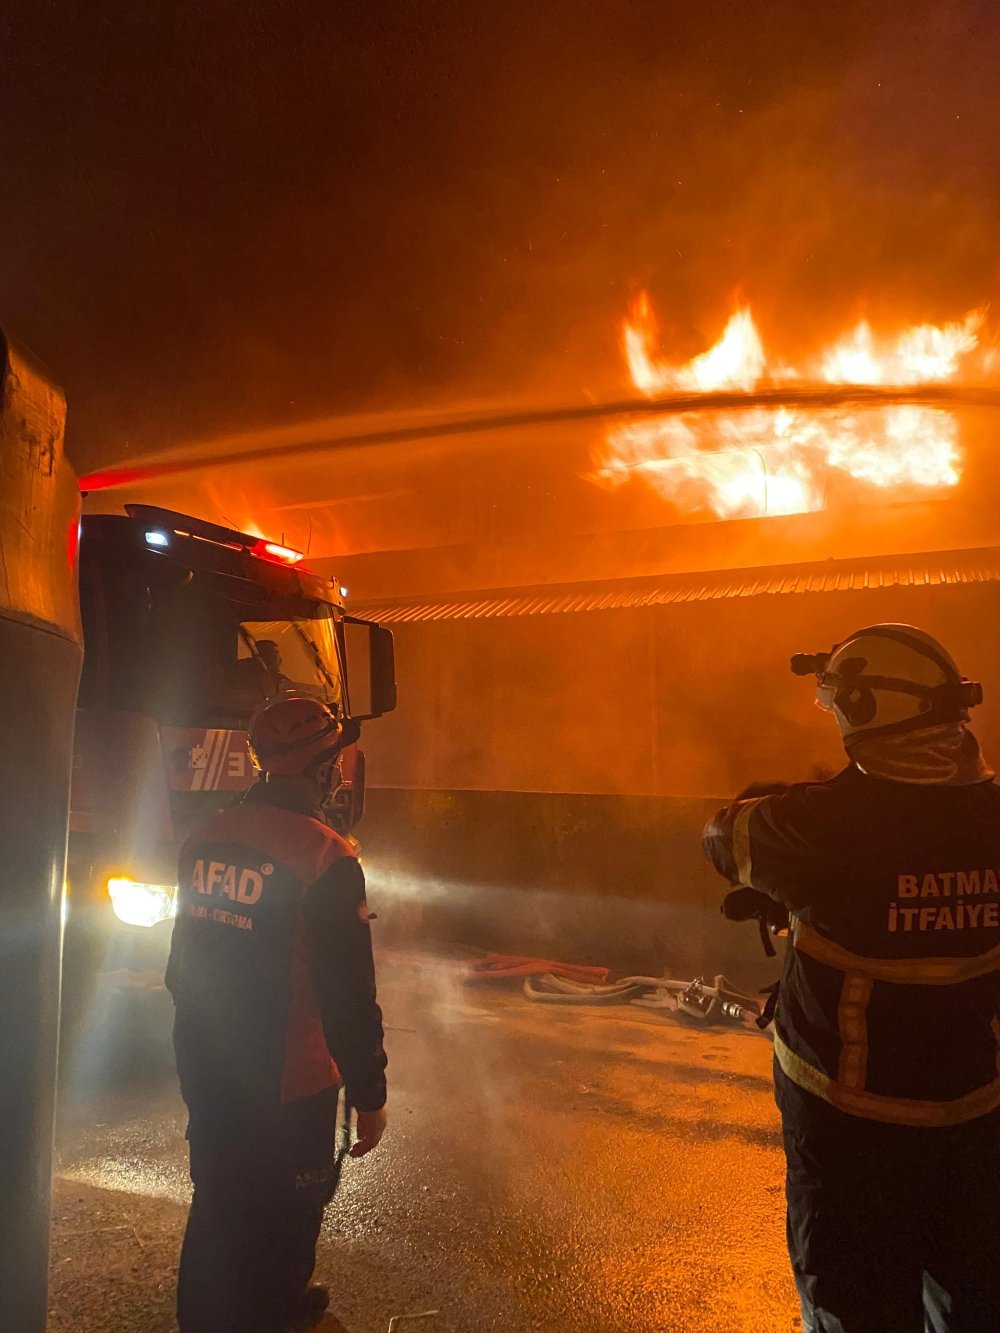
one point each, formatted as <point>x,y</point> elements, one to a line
<point>886,680</point>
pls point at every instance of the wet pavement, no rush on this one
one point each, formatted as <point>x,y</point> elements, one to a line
<point>545,1169</point>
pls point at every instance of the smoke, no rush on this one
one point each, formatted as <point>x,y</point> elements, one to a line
<point>817,187</point>
<point>335,213</point>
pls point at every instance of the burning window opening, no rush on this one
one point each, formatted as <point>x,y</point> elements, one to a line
<point>760,462</point>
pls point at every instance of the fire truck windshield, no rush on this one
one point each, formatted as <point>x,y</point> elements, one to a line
<point>186,653</point>
<point>289,657</point>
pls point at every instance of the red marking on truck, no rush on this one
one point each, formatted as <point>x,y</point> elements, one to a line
<point>207,760</point>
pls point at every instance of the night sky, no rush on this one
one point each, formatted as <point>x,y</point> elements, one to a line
<point>237,214</point>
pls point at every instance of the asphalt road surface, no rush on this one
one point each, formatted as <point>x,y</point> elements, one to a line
<point>597,1170</point>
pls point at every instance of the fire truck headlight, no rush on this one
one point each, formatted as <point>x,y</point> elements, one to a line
<point>141,904</point>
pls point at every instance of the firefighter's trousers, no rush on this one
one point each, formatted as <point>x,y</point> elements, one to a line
<point>260,1187</point>
<point>891,1229</point>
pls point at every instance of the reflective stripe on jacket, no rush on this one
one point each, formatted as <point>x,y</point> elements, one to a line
<point>891,988</point>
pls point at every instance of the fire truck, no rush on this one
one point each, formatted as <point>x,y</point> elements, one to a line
<point>189,629</point>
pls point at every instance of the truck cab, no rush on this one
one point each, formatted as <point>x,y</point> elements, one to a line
<point>189,629</point>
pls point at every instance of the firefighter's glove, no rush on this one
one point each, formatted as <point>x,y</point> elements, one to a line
<point>752,905</point>
<point>371,1127</point>
<point>746,905</point>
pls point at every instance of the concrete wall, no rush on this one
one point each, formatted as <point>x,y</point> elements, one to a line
<point>543,785</point>
<point>684,700</point>
<point>612,880</point>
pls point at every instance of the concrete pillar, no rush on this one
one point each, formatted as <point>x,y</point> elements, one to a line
<point>40,657</point>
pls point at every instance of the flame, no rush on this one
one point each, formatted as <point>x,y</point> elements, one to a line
<point>774,460</point>
<point>737,360</point>
<point>921,355</point>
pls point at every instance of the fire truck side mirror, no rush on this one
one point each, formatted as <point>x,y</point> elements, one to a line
<point>371,668</point>
<point>382,671</point>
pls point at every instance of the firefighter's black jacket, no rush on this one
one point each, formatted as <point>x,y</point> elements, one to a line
<point>271,964</point>
<point>890,996</point>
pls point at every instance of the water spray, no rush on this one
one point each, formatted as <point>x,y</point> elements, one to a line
<point>322,440</point>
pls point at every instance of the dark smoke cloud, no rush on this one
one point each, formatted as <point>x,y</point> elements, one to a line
<point>217,216</point>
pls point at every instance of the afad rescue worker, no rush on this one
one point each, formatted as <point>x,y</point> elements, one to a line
<point>274,987</point>
<point>887,1027</point>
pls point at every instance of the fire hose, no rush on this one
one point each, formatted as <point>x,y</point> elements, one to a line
<point>714,1002</point>
<point>502,967</point>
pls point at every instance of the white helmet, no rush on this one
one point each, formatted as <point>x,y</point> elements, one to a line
<point>888,679</point>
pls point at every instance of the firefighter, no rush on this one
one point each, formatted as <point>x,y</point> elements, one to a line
<point>887,1027</point>
<point>260,677</point>
<point>270,657</point>
<point>273,984</point>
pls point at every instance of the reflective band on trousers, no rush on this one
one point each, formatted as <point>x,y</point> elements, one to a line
<point>890,1110</point>
<point>901,971</point>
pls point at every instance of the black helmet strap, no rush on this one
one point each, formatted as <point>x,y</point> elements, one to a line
<point>959,695</point>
